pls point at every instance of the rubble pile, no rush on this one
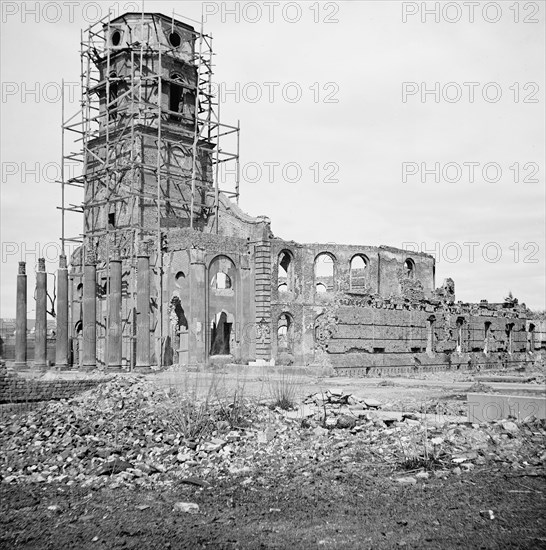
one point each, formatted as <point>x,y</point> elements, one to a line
<point>125,432</point>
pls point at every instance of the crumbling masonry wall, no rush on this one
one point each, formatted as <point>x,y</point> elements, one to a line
<point>395,319</point>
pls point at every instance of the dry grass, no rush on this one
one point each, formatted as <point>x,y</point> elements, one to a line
<point>284,392</point>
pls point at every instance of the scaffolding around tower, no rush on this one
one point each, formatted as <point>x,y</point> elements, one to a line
<point>139,123</point>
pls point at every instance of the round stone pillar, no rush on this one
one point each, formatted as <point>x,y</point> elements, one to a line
<point>40,329</point>
<point>21,319</point>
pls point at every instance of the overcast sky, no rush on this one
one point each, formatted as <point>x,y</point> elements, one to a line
<point>379,123</point>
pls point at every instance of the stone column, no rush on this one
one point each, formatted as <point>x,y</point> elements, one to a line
<point>40,334</point>
<point>61,351</point>
<point>143,311</point>
<point>21,319</point>
<point>114,313</point>
<point>89,311</point>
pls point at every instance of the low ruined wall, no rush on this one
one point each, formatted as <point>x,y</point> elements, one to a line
<point>402,364</point>
<point>14,389</point>
<point>393,337</point>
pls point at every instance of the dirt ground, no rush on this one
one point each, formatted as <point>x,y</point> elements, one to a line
<point>355,497</point>
<point>335,508</point>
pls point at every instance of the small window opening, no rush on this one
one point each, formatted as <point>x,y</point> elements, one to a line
<point>321,288</point>
<point>460,323</point>
<point>486,329</point>
<point>111,220</point>
<point>175,39</point>
<point>179,279</point>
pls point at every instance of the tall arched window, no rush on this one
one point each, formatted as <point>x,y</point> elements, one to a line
<point>357,273</point>
<point>284,271</point>
<point>181,100</point>
<point>285,333</point>
<point>222,275</point>
<point>176,95</point>
<point>324,273</point>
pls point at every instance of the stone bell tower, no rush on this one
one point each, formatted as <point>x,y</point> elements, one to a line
<point>147,168</point>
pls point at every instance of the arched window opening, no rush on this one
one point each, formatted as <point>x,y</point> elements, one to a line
<point>284,333</point>
<point>284,271</point>
<point>181,101</point>
<point>409,268</point>
<point>357,273</point>
<point>220,335</point>
<point>221,281</point>
<point>79,290</point>
<point>324,273</point>
<point>176,95</point>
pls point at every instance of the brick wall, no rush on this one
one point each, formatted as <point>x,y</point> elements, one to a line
<point>14,389</point>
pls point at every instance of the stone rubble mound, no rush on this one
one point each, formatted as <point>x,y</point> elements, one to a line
<point>126,431</point>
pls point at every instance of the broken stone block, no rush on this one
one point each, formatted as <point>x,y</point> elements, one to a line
<point>186,507</point>
<point>345,422</point>
<point>511,427</point>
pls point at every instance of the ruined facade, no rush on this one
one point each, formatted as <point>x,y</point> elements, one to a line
<point>172,272</point>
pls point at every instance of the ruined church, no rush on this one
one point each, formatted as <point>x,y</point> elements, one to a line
<point>171,272</point>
